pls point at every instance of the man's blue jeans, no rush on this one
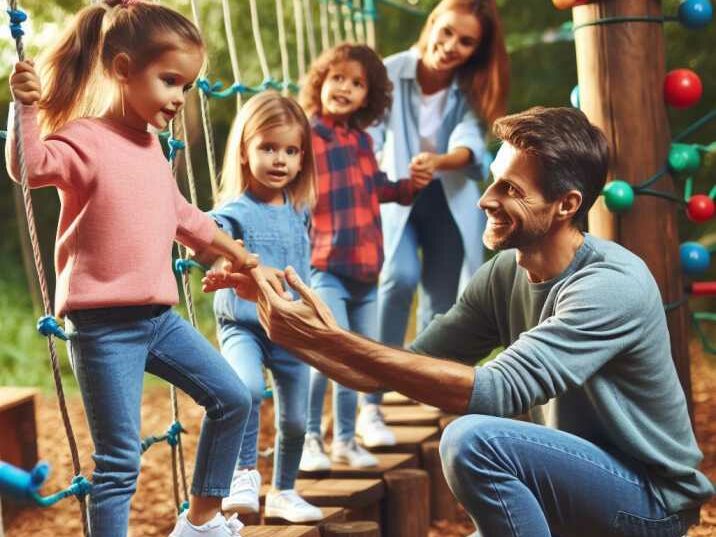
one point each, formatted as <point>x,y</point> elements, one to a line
<point>110,349</point>
<point>520,479</point>
<point>354,307</point>
<point>249,351</point>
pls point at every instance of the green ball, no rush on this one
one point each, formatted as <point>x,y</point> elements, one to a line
<point>684,158</point>
<point>618,196</point>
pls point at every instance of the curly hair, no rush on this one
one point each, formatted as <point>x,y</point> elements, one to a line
<point>380,88</point>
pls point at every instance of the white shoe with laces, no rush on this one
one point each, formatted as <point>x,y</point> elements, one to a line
<point>352,454</point>
<point>216,527</point>
<point>314,458</point>
<point>372,429</point>
<point>243,496</point>
<point>287,504</point>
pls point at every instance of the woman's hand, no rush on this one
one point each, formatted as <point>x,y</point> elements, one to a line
<point>24,83</point>
<point>425,163</point>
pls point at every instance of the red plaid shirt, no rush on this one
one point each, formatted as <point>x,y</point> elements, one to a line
<point>346,233</point>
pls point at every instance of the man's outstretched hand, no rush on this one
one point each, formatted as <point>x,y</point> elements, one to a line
<point>298,325</point>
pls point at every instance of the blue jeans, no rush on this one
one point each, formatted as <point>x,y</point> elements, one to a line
<point>520,479</point>
<point>431,229</point>
<point>110,349</point>
<point>249,351</point>
<point>353,304</point>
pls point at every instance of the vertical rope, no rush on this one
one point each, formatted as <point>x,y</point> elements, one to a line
<point>308,13</point>
<point>334,16</point>
<point>229,30</point>
<point>206,123</point>
<point>257,39</point>
<point>346,7</point>
<point>369,15</point>
<point>325,41</point>
<point>39,267</point>
<point>283,47</point>
<point>300,44</point>
<point>359,21</point>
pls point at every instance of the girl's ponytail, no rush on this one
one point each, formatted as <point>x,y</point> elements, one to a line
<point>71,71</point>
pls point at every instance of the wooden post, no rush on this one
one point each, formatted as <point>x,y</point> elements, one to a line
<point>443,505</point>
<point>407,503</point>
<point>621,70</point>
<point>351,529</point>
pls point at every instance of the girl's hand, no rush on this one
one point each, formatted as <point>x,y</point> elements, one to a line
<point>420,180</point>
<point>243,284</point>
<point>243,260</point>
<point>24,83</point>
<point>425,163</point>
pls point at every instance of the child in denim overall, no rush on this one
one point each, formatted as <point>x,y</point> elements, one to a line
<point>267,189</point>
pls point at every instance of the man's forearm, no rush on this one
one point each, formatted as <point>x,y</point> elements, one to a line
<point>434,381</point>
<point>456,159</point>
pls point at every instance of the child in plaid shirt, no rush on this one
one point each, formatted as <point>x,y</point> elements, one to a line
<point>347,89</point>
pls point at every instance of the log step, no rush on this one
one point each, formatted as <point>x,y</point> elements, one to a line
<point>408,439</point>
<point>396,398</point>
<point>280,531</point>
<point>386,463</point>
<point>352,529</point>
<point>330,515</point>
<point>411,415</point>
<point>349,493</point>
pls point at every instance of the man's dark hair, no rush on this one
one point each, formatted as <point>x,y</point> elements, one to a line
<point>572,153</point>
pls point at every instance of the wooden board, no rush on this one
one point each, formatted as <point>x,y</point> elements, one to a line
<point>280,531</point>
<point>337,492</point>
<point>386,463</point>
<point>395,398</point>
<point>408,439</point>
<point>11,397</point>
<point>410,415</point>
<point>330,514</point>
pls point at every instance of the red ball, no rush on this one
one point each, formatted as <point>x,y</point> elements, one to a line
<point>682,88</point>
<point>700,208</point>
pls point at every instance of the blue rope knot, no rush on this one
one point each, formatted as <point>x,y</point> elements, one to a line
<point>175,429</point>
<point>17,17</point>
<point>184,506</point>
<point>80,486</point>
<point>182,266</point>
<point>205,85</point>
<point>48,326</point>
<point>175,146</point>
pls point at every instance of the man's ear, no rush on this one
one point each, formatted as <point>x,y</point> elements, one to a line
<point>569,205</point>
<point>120,67</point>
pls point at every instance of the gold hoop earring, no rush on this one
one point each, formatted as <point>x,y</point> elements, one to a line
<point>121,99</point>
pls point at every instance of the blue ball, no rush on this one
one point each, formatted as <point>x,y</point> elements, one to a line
<point>574,96</point>
<point>695,258</point>
<point>695,14</point>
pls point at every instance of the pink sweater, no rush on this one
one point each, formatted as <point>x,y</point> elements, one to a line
<point>120,212</point>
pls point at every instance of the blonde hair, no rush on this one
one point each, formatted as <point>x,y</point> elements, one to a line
<point>262,112</point>
<point>74,71</point>
<point>485,77</point>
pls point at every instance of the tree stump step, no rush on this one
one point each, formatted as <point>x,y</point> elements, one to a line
<point>411,415</point>
<point>350,493</point>
<point>408,439</point>
<point>280,531</point>
<point>386,463</point>
<point>396,398</point>
<point>352,529</point>
<point>330,514</point>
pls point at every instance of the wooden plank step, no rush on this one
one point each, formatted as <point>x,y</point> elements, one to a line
<point>11,396</point>
<point>330,514</point>
<point>18,443</point>
<point>280,531</point>
<point>411,415</point>
<point>351,493</point>
<point>408,439</point>
<point>386,463</point>
<point>396,398</point>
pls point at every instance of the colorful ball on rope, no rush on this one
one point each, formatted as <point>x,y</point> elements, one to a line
<point>700,208</point>
<point>684,158</point>
<point>618,196</point>
<point>568,4</point>
<point>682,88</point>
<point>695,14</point>
<point>695,258</point>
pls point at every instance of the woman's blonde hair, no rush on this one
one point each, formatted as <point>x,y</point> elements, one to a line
<point>485,77</point>
<point>262,112</point>
<point>74,70</point>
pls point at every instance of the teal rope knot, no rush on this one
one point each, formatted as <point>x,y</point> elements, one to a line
<point>182,266</point>
<point>48,326</point>
<point>270,83</point>
<point>175,146</point>
<point>17,17</point>
<point>208,88</point>
<point>184,506</point>
<point>175,429</point>
<point>80,486</point>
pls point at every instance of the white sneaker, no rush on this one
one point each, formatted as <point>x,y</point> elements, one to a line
<point>287,504</point>
<point>352,454</point>
<point>314,458</point>
<point>372,428</point>
<point>243,496</point>
<point>216,527</point>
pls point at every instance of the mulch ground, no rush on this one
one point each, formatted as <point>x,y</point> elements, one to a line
<point>153,512</point>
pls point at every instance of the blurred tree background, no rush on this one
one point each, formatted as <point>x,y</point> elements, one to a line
<point>543,73</point>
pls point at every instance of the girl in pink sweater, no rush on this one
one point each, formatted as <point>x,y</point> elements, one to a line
<point>120,67</point>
